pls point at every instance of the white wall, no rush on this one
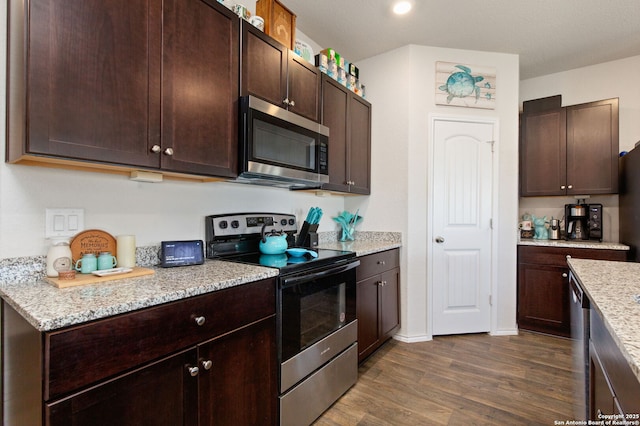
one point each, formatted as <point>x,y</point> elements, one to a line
<point>613,79</point>
<point>401,86</point>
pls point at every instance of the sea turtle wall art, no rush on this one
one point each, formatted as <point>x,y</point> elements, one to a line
<point>469,86</point>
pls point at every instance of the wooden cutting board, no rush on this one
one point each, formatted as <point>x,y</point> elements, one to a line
<point>84,279</point>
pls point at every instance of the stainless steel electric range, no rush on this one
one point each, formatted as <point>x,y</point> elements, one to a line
<point>316,310</point>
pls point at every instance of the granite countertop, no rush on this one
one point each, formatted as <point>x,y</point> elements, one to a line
<point>365,242</point>
<point>574,244</point>
<point>611,288</point>
<point>47,307</point>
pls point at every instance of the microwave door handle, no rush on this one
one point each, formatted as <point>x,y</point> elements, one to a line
<point>315,275</point>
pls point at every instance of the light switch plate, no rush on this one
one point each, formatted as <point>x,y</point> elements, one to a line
<point>63,222</point>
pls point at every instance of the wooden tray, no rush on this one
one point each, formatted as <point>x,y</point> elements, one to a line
<point>92,241</point>
<point>83,279</point>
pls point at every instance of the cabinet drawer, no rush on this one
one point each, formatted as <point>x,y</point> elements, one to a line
<point>78,356</point>
<point>557,256</point>
<point>377,263</point>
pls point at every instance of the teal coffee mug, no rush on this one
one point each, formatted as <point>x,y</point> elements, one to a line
<point>106,261</point>
<point>87,264</point>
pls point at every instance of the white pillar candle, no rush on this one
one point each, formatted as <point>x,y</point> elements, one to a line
<point>126,250</point>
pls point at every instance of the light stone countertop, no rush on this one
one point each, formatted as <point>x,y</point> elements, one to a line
<point>47,307</point>
<point>574,244</point>
<point>365,242</point>
<point>611,287</point>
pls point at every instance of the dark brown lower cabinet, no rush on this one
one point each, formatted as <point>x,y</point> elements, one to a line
<point>234,384</point>
<point>377,300</point>
<point>614,388</point>
<point>205,360</point>
<point>602,398</point>
<point>543,285</point>
<point>241,386</point>
<point>162,393</point>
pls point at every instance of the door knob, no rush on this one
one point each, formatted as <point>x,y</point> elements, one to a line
<point>439,240</point>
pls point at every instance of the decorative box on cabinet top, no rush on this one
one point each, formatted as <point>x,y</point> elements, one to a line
<point>279,22</point>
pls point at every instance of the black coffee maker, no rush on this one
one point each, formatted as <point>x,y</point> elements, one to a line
<point>583,221</point>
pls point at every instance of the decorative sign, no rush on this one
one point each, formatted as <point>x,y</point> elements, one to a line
<point>92,241</point>
<point>470,86</point>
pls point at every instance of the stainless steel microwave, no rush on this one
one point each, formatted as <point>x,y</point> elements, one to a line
<point>280,148</point>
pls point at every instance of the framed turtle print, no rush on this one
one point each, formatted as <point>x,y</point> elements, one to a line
<point>471,86</point>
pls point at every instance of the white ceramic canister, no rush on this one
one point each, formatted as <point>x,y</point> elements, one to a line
<point>58,258</point>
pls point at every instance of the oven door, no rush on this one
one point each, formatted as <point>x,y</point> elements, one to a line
<point>316,319</point>
<point>278,144</point>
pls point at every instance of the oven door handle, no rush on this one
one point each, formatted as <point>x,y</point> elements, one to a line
<point>297,279</point>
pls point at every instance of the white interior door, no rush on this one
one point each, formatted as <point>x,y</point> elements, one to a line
<point>461,226</point>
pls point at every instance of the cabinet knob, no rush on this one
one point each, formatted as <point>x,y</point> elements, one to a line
<point>564,275</point>
<point>156,149</point>
<point>168,151</point>
<point>292,103</point>
<point>439,240</point>
<point>568,256</point>
<point>382,283</point>
<point>563,187</point>
<point>193,371</point>
<point>199,320</point>
<point>285,101</point>
<point>381,262</point>
<point>570,187</point>
<point>207,364</point>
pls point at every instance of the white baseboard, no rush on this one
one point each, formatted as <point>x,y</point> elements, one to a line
<point>412,339</point>
<point>505,332</point>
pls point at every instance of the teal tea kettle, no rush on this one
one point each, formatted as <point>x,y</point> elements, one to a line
<point>274,242</point>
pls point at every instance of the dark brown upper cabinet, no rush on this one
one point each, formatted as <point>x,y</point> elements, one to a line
<point>348,117</point>
<point>122,85</point>
<point>570,150</point>
<point>276,74</point>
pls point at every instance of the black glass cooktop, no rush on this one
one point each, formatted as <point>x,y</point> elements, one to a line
<point>288,263</point>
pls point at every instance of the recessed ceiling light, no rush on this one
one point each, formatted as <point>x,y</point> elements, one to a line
<point>401,7</point>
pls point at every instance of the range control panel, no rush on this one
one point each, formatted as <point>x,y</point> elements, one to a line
<point>235,225</point>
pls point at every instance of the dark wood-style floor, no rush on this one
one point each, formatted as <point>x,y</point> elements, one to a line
<point>473,379</point>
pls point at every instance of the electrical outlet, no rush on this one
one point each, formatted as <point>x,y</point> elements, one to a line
<point>63,222</point>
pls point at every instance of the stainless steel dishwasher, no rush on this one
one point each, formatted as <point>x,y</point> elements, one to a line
<point>580,335</point>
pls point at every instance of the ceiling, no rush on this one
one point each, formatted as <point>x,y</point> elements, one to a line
<point>549,35</point>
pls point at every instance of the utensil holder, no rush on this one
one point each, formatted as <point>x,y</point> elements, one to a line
<point>311,241</point>
<point>304,238</point>
<point>347,232</point>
